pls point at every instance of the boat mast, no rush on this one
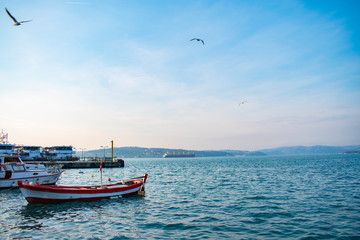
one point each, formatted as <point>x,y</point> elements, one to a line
<point>4,138</point>
<point>101,161</point>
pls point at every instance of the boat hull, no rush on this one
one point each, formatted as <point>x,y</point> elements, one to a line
<point>35,194</point>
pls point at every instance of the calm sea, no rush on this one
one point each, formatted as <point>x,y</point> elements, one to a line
<point>297,197</point>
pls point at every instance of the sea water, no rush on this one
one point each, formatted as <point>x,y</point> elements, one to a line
<point>292,197</point>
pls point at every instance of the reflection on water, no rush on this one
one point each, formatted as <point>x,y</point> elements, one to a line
<point>23,220</point>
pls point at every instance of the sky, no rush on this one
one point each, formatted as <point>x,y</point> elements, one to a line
<point>85,72</point>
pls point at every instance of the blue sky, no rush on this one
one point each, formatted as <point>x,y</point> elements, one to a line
<point>86,72</point>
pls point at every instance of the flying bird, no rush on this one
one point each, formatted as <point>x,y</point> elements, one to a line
<point>198,39</point>
<point>243,102</point>
<point>16,23</point>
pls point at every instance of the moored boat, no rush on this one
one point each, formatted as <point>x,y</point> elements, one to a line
<point>12,169</point>
<point>35,193</point>
<point>6,149</point>
<point>29,153</point>
<point>60,153</point>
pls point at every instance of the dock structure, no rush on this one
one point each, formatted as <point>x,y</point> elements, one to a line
<point>84,164</point>
<point>92,164</point>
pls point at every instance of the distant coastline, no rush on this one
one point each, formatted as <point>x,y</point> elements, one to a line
<point>142,152</point>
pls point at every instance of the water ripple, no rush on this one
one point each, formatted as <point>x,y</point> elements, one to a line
<point>301,197</point>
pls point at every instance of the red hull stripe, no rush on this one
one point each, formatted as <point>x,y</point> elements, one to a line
<point>80,190</point>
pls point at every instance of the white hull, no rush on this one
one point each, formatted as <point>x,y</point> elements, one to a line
<point>51,178</point>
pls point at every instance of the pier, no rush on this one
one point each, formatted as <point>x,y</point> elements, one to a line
<point>94,163</point>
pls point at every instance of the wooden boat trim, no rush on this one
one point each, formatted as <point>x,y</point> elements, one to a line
<point>80,189</point>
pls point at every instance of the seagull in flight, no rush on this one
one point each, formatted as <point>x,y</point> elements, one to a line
<point>16,23</point>
<point>241,103</point>
<point>198,39</point>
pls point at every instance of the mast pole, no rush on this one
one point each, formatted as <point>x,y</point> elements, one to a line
<point>112,151</point>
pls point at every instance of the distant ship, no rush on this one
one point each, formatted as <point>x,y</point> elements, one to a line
<point>178,155</point>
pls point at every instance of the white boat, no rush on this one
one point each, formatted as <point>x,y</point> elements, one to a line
<point>12,169</point>
<point>6,149</point>
<point>60,153</point>
<point>29,153</point>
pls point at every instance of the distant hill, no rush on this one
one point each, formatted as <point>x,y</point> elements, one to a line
<point>245,153</point>
<point>140,152</point>
<point>318,150</point>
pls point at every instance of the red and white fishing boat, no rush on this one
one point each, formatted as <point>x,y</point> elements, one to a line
<point>35,193</point>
